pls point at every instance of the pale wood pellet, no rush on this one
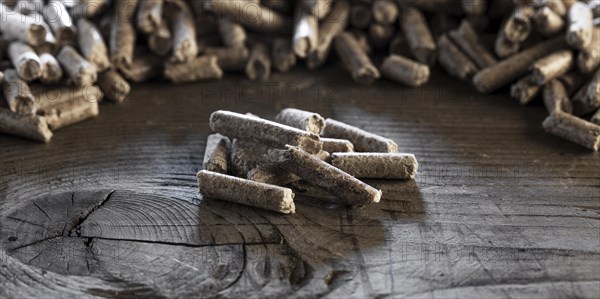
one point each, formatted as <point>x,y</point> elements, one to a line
<point>377,165</point>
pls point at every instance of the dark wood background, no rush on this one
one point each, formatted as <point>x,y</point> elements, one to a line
<point>110,207</point>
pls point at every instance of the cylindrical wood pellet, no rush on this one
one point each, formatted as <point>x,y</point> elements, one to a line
<point>547,22</point>
<point>405,71</point>
<point>319,173</point>
<point>360,16</point>
<point>303,120</point>
<point>331,26</point>
<point>333,145</point>
<point>48,97</point>
<point>306,30</point>
<point>525,90</point>
<point>115,87</point>
<point>230,59</point>
<point>80,71</point>
<point>552,66</point>
<point>505,71</point>
<point>26,62</point>
<point>517,26</point>
<point>259,62</point>
<point>385,11</point>
<point>18,96</point>
<point>235,125</point>
<point>51,70</point>
<point>216,155</point>
<point>232,34</point>
<point>377,165</point>
<point>69,112</point>
<point>59,19</point>
<point>580,27</point>
<point>185,45</point>
<point>92,45</point>
<point>505,48</point>
<point>466,39</point>
<point>574,129</point>
<point>149,15</point>
<point>16,26</point>
<point>246,192</point>
<point>161,41</point>
<point>363,141</point>
<point>418,35</point>
<point>201,68</point>
<point>27,126</point>
<point>587,98</point>
<point>556,97</point>
<point>282,54</point>
<point>588,58</point>
<point>454,61</point>
<point>355,59</point>
<point>122,44</point>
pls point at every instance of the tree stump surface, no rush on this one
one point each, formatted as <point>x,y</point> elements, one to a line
<point>110,208</point>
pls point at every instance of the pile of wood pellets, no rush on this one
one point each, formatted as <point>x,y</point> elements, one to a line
<point>59,58</point>
<point>262,163</point>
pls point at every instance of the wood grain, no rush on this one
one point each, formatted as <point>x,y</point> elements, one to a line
<point>110,208</point>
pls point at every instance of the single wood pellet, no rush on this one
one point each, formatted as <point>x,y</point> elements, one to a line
<point>161,40</point>
<point>574,129</point>
<point>122,44</point>
<point>588,58</point>
<point>26,62</point>
<point>418,35</point>
<point>319,173</point>
<point>114,86</point>
<point>331,26</point>
<point>517,26</point>
<point>16,26</point>
<point>466,39</point>
<point>216,155</point>
<point>261,19</point>
<point>258,66</point>
<point>18,96</point>
<point>505,48</point>
<point>333,145</point>
<point>52,72</point>
<point>80,71</point>
<point>201,68</point>
<point>377,165</point>
<point>587,98</point>
<point>355,59</point>
<point>547,22</point>
<point>552,66</point>
<point>385,11</point>
<point>185,46</point>
<point>92,45</point>
<point>28,126</point>
<point>405,70</point>
<point>453,60</point>
<point>306,30</point>
<point>525,90</point>
<point>556,97</point>
<point>246,192</point>
<point>58,18</point>
<point>282,54</point>
<point>235,125</point>
<point>362,140</point>
<point>507,70</point>
<point>149,15</point>
<point>232,34</point>
<point>579,30</point>
<point>303,120</point>
<point>47,97</point>
<point>230,59</point>
<point>69,112</point>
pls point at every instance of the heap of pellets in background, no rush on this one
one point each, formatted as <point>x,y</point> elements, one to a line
<point>543,47</point>
<point>262,163</point>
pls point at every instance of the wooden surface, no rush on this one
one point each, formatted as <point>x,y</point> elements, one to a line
<point>110,207</point>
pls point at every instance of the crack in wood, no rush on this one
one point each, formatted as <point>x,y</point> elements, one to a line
<point>75,227</point>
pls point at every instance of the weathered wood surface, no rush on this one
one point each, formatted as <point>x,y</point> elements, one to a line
<point>110,207</point>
